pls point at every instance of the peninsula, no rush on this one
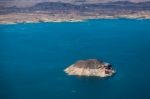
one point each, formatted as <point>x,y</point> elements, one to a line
<point>90,67</point>
<point>60,12</point>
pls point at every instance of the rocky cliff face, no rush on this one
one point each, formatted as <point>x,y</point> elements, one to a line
<point>90,67</point>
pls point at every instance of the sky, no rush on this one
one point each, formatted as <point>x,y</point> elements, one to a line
<point>24,3</point>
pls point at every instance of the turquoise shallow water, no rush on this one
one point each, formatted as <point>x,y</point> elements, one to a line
<point>33,56</point>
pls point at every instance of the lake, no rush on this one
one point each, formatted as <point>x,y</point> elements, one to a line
<point>34,55</point>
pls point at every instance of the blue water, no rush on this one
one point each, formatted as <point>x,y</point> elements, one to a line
<point>33,57</point>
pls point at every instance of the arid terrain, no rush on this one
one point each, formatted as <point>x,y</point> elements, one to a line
<point>58,12</point>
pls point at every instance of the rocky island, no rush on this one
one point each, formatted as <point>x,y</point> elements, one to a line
<point>63,11</point>
<point>90,67</point>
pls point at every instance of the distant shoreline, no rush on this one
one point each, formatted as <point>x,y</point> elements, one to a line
<point>66,12</point>
<point>69,20</point>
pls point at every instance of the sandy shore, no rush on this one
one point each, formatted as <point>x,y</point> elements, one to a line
<point>34,18</point>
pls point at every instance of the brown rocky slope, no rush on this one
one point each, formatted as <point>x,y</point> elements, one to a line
<point>90,67</point>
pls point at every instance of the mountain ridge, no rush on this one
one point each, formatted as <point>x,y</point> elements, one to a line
<point>48,11</point>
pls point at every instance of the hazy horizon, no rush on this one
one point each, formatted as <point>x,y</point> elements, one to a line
<point>24,3</point>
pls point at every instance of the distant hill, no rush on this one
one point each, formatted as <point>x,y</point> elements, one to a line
<point>113,5</point>
<point>67,6</point>
<point>64,11</point>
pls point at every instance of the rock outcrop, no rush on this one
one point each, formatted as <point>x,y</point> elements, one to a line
<point>90,67</point>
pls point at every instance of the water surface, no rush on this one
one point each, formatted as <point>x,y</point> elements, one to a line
<point>33,57</point>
